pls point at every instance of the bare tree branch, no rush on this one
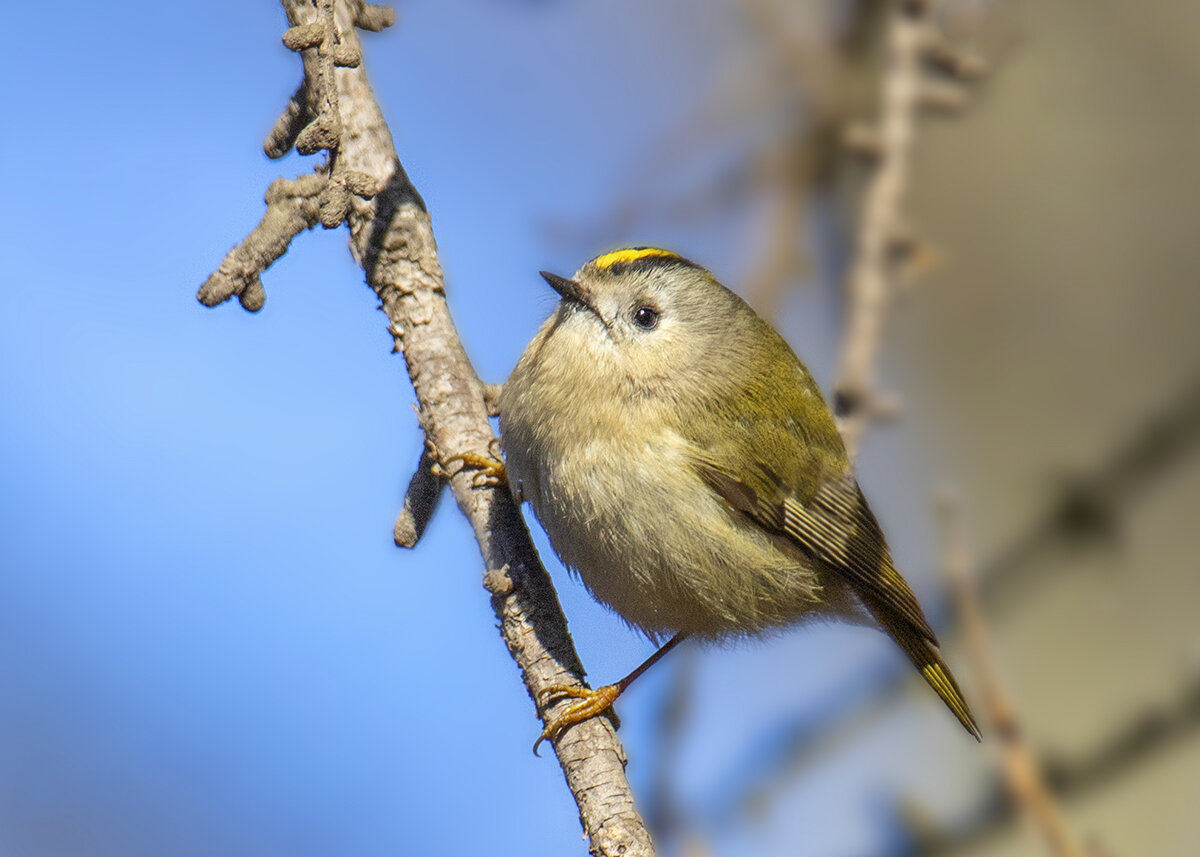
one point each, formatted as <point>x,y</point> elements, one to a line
<point>868,282</point>
<point>363,184</point>
<point>291,209</point>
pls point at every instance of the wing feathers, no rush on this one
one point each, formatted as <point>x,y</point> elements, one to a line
<point>931,666</point>
<point>835,526</point>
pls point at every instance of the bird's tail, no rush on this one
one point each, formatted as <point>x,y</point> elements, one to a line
<point>923,652</point>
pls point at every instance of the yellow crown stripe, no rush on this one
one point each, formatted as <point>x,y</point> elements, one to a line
<point>631,254</point>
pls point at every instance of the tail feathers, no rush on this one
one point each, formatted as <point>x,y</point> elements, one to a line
<point>929,663</point>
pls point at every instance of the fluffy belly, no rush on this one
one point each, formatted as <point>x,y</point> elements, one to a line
<point>653,542</point>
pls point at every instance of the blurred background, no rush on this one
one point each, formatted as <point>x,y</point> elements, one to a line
<point>209,644</point>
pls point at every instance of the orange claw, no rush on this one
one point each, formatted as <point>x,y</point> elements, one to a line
<point>490,470</point>
<point>591,703</point>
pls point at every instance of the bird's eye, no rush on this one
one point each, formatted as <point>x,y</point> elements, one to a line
<point>646,317</point>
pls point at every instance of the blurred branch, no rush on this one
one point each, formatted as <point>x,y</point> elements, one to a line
<point>1154,731</point>
<point>1091,507</point>
<point>813,87</point>
<point>363,184</point>
<point>1022,772</point>
<point>818,77</point>
<point>884,243</point>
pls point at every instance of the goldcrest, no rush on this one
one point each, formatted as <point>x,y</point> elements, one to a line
<point>684,463</point>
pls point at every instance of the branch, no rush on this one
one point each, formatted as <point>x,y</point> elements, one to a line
<point>420,502</point>
<point>1151,732</point>
<point>884,243</point>
<point>364,185</point>
<point>1022,771</point>
<point>291,209</point>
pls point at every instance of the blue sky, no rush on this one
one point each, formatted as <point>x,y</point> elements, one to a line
<point>208,642</point>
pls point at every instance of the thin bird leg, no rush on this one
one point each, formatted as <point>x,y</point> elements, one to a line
<point>594,702</point>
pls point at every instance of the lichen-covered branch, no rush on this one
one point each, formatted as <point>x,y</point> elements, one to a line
<point>392,239</point>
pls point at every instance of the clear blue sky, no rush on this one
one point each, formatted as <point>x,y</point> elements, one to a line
<point>208,643</point>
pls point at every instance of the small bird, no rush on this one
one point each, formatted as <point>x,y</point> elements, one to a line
<point>684,464</point>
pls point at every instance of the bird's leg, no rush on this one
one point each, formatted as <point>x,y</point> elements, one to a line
<point>593,702</point>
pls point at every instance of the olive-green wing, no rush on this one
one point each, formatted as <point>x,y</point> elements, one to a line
<point>832,524</point>
<point>805,492</point>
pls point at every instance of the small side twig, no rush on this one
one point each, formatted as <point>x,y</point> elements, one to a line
<point>420,502</point>
<point>291,209</point>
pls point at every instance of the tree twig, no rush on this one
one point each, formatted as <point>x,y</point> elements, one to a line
<point>884,242</point>
<point>291,209</point>
<point>363,184</point>
<point>420,502</point>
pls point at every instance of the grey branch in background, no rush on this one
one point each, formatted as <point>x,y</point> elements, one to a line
<point>363,185</point>
<point>884,243</point>
<point>1154,731</point>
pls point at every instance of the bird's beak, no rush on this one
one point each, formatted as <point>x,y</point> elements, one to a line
<point>569,289</point>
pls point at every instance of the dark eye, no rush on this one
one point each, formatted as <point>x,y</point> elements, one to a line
<point>646,317</point>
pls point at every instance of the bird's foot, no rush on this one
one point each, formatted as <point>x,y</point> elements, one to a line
<point>489,468</point>
<point>591,704</point>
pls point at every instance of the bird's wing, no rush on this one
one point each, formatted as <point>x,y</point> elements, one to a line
<point>822,513</point>
<point>800,487</point>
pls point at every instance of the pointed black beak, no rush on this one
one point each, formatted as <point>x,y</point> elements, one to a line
<point>569,289</point>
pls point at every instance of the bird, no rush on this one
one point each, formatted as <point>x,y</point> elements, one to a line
<point>684,464</point>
